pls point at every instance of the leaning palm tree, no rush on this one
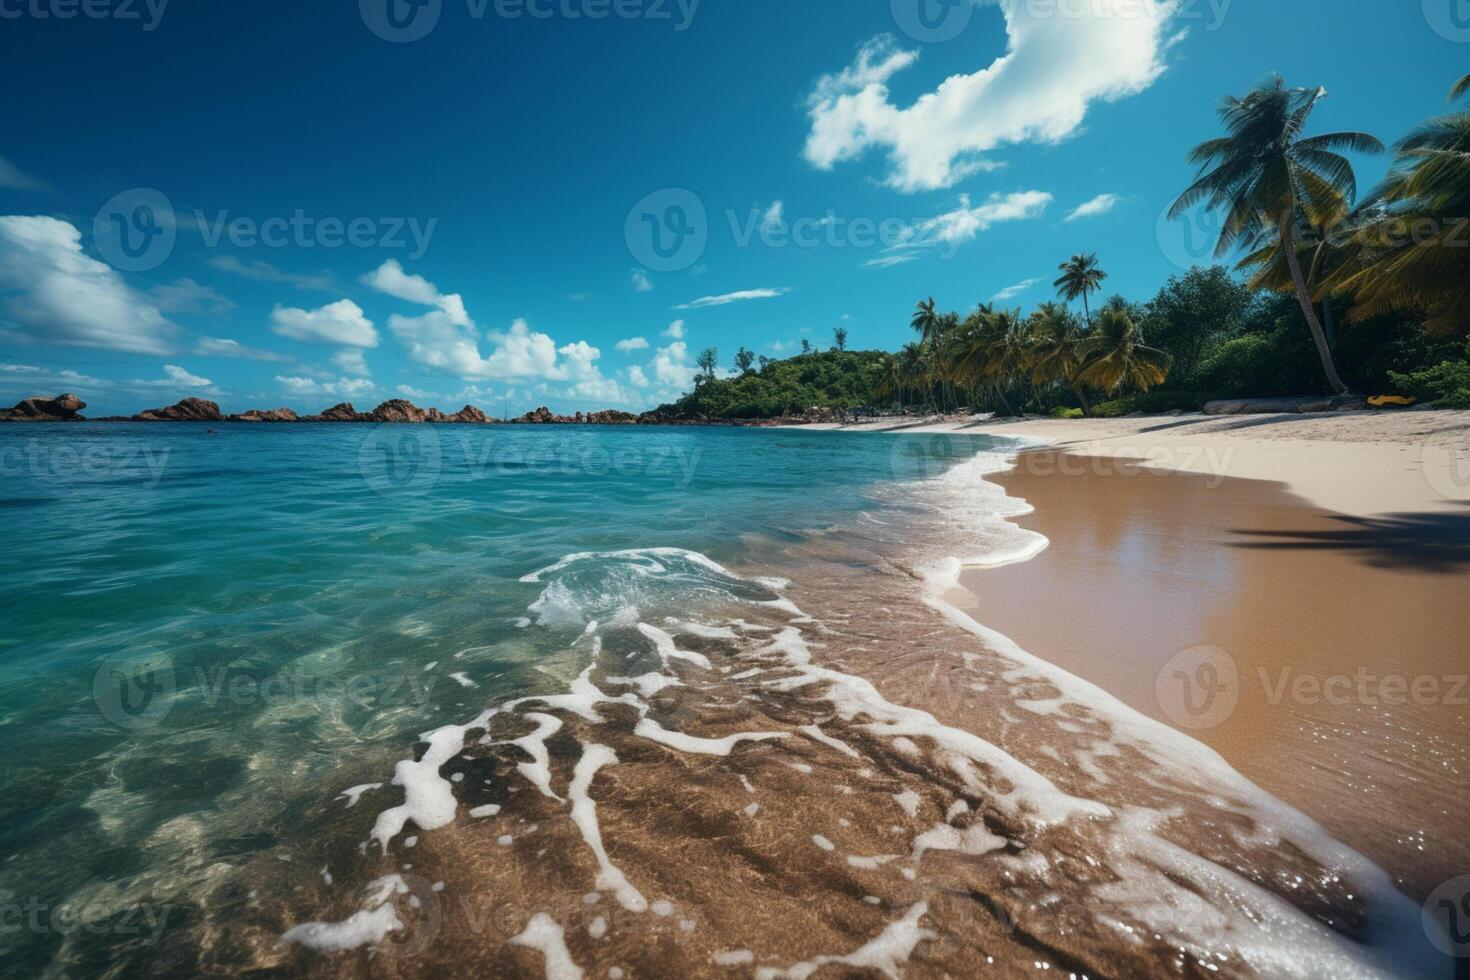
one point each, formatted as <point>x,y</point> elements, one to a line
<point>1056,348</point>
<point>1080,275</point>
<point>1114,356</point>
<point>1408,249</point>
<point>1266,176</point>
<point>1461,88</point>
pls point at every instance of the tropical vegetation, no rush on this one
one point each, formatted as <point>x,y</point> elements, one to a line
<point>1335,297</point>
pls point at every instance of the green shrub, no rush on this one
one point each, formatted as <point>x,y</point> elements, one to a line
<point>1446,384</point>
<point>1153,403</point>
<point>1066,413</point>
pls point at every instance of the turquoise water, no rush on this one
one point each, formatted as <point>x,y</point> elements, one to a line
<point>205,626</point>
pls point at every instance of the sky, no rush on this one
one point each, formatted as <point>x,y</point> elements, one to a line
<point>513,203</point>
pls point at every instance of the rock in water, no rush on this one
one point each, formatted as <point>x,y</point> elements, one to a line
<point>273,415</point>
<point>188,410</point>
<point>62,408</point>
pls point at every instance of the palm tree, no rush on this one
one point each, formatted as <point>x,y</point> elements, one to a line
<point>1266,176</point>
<point>1056,348</point>
<point>993,348</point>
<point>926,321</point>
<point>1408,249</point>
<point>890,380</point>
<point>1080,275</point>
<point>911,366</point>
<point>1461,88</point>
<point>1114,356</point>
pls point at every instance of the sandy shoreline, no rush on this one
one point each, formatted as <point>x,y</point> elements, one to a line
<point>1351,463</point>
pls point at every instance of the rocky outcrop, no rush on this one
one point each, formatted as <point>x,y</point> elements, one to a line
<point>541,416</point>
<point>608,418</point>
<point>271,415</point>
<point>339,413</point>
<point>62,408</point>
<point>1285,406</point>
<point>188,410</point>
<point>398,410</point>
<point>470,415</point>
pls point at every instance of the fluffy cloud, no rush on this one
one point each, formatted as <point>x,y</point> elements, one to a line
<point>641,282</point>
<point>390,278</point>
<point>743,296</point>
<point>1055,67</point>
<point>342,322</point>
<point>636,377</point>
<point>36,380</point>
<point>672,369</point>
<point>774,216</point>
<point>632,344</point>
<point>1096,207</point>
<point>675,330</point>
<point>416,393</point>
<point>966,222</point>
<point>341,388</point>
<point>68,298</point>
<point>177,378</point>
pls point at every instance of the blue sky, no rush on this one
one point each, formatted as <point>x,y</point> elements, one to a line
<point>501,177</point>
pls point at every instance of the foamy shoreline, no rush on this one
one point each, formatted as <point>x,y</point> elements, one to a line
<point>1358,463</point>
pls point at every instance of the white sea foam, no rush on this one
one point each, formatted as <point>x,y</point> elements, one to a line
<point>546,937</point>
<point>584,815</point>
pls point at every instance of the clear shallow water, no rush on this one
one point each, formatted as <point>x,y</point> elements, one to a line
<point>200,623</point>
<point>218,633</point>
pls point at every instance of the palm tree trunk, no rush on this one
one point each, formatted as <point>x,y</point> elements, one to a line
<point>1010,412</point>
<point>1082,397</point>
<point>1085,310</point>
<point>1319,337</point>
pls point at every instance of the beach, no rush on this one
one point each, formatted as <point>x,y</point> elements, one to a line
<point>1313,567</point>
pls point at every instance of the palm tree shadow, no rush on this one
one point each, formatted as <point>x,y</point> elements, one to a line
<point>1438,543</point>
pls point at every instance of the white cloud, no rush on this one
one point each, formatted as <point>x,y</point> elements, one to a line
<point>38,380</point>
<point>391,279</point>
<point>743,296</point>
<point>180,376</point>
<point>1011,292</point>
<point>415,393</point>
<point>636,377</point>
<point>13,179</point>
<point>222,347</point>
<point>1054,68</point>
<point>641,282</point>
<point>774,216</point>
<point>671,368</point>
<point>343,388</point>
<point>342,322</point>
<point>176,378</point>
<point>675,330</point>
<point>889,261</point>
<point>632,344</point>
<point>1099,205</point>
<point>965,223</point>
<point>265,272</point>
<point>66,297</point>
<point>351,361</point>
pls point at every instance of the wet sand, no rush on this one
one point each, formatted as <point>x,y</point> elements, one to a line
<point>1340,639</point>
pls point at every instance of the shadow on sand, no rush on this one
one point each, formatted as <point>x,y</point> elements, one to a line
<point>1437,543</point>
